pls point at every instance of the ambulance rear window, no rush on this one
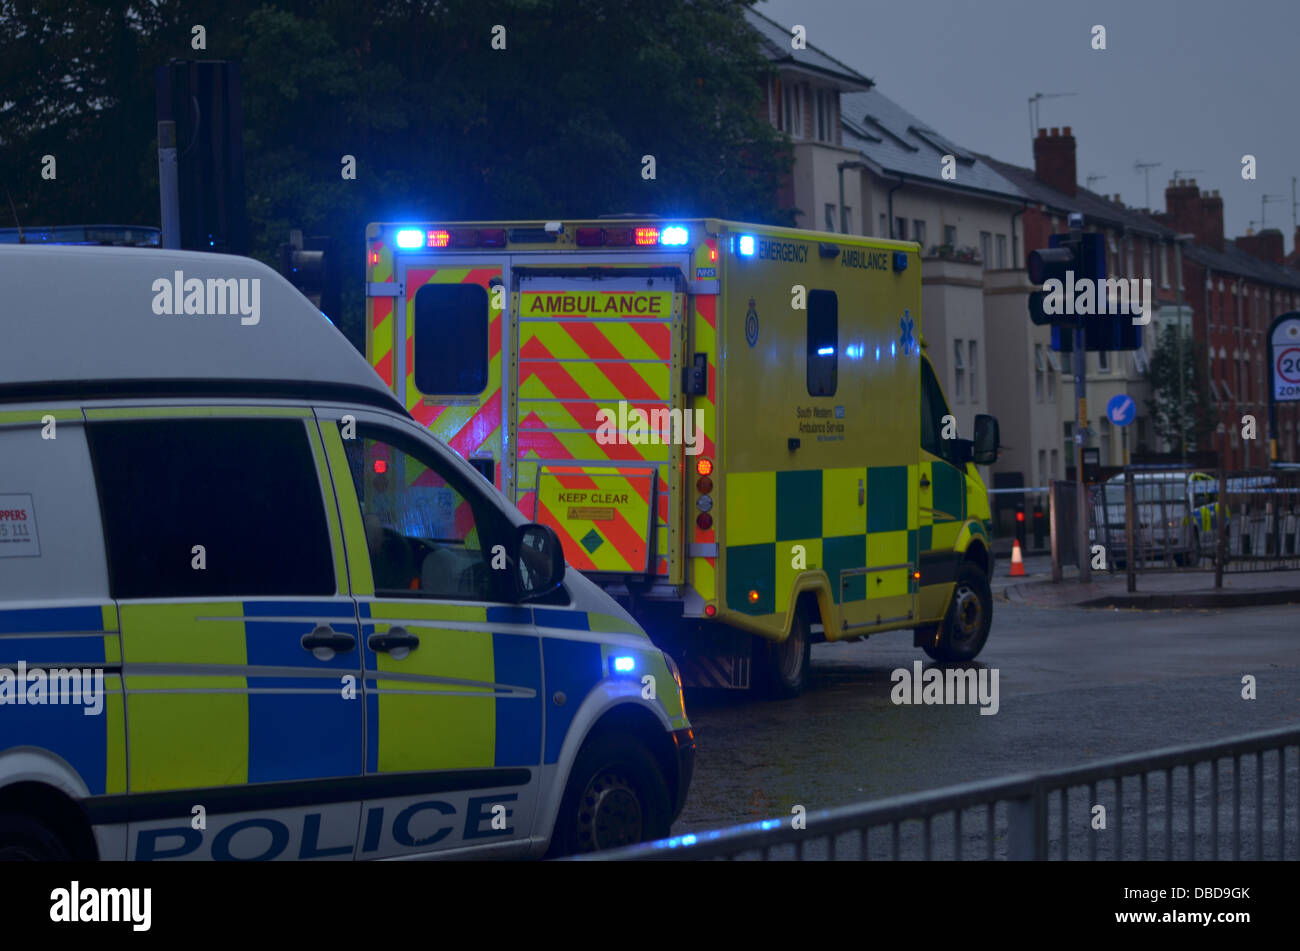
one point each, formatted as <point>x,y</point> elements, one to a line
<point>823,342</point>
<point>451,339</point>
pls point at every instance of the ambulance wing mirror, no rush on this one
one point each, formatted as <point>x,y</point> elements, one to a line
<point>539,561</point>
<point>987,439</point>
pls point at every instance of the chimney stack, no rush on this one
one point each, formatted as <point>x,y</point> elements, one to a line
<point>1267,245</point>
<point>1054,160</point>
<point>1188,210</point>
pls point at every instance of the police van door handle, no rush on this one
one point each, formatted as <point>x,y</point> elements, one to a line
<point>397,642</point>
<point>325,642</point>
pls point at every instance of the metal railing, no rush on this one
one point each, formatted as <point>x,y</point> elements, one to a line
<point>1236,798</point>
<point>1168,519</point>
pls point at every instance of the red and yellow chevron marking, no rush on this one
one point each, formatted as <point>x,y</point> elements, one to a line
<point>379,312</point>
<point>574,371</point>
<point>704,571</point>
<point>469,427</point>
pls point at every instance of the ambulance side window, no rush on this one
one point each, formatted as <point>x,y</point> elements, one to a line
<point>246,490</point>
<point>429,534</point>
<point>933,409</point>
<point>823,342</point>
<point>451,339</point>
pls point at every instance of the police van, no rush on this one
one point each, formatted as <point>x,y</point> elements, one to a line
<point>249,609</point>
<point>732,427</point>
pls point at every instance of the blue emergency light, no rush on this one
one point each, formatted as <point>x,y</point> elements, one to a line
<point>410,238</point>
<point>624,665</point>
<point>674,235</point>
<point>746,244</point>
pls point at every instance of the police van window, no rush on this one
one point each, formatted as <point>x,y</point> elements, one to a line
<point>933,409</point>
<point>246,490</point>
<point>429,534</point>
<point>451,339</point>
<point>823,342</point>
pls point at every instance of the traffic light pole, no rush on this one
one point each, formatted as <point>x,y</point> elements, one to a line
<point>1081,439</point>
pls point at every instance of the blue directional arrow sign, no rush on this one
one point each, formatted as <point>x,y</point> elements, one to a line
<point>1121,409</point>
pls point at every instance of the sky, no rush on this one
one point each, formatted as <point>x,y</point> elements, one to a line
<point>1191,84</point>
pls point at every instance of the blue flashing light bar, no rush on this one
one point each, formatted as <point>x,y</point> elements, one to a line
<point>746,245</point>
<point>674,235</point>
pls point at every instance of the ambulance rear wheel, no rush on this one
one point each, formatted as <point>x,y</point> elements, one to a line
<point>782,668</point>
<point>970,614</point>
<point>29,840</point>
<point>616,796</point>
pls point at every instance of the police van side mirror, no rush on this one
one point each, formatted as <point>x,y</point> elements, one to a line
<point>539,562</point>
<point>987,439</point>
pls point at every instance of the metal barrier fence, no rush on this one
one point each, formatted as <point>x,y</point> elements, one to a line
<point>1233,799</point>
<point>1176,525</point>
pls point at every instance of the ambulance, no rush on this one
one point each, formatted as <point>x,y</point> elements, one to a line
<point>250,610</point>
<point>732,428</point>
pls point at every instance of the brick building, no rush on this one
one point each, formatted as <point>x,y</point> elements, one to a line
<point>1235,289</point>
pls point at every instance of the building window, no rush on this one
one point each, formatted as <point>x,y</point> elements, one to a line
<point>822,125</point>
<point>1053,366</point>
<point>986,248</point>
<point>884,226</point>
<point>1147,271</point>
<point>1068,435</point>
<point>1002,252</point>
<point>1056,464</point>
<point>1104,426</point>
<point>1042,467</point>
<point>1015,249</point>
<point>918,233</point>
<point>959,371</point>
<point>794,111</point>
<point>1164,265</point>
<point>950,235</point>
<point>848,220</point>
<point>1103,361</point>
<point>974,373</point>
<point>1128,258</point>
<point>900,229</point>
<point>1040,371</point>
<point>831,224</point>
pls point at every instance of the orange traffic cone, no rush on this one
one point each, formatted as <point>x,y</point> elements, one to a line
<point>1017,560</point>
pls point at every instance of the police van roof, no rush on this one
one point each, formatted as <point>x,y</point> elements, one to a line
<point>77,321</point>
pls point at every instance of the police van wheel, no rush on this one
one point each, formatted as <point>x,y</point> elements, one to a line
<point>783,667</point>
<point>616,796</point>
<point>29,840</point>
<point>966,628</point>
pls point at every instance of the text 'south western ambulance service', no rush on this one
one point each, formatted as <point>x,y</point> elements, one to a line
<point>732,428</point>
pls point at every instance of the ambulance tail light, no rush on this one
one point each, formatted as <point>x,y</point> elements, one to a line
<point>492,238</point>
<point>712,245</point>
<point>589,237</point>
<point>619,237</point>
<point>704,466</point>
<point>437,238</point>
<point>704,485</point>
<point>704,521</point>
<point>464,238</point>
<point>710,610</point>
<point>647,236</point>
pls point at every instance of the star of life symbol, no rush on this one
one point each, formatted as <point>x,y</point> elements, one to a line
<point>906,324</point>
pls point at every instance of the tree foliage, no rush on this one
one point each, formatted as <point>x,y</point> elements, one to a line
<point>441,124</point>
<point>1191,420</point>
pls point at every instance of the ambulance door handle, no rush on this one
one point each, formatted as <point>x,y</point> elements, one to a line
<point>925,483</point>
<point>397,642</point>
<point>325,642</point>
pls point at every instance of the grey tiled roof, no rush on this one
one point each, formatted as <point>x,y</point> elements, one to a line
<point>775,42</point>
<point>1233,260</point>
<point>1096,209</point>
<point>898,143</point>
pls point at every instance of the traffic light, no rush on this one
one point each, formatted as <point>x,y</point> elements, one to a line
<point>1062,258</point>
<point>310,266</point>
<point>1074,259</point>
